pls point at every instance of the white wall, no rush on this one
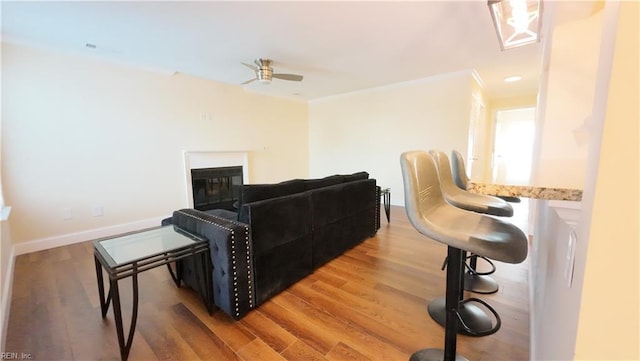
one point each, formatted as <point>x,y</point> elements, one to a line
<point>368,130</point>
<point>79,132</point>
<point>555,304</point>
<point>569,92</point>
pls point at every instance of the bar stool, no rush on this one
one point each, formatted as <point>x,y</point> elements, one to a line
<point>474,280</point>
<point>478,322</point>
<point>462,231</point>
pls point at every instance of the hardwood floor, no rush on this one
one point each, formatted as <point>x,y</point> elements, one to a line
<point>368,304</point>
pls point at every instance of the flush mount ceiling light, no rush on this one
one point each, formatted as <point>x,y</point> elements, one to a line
<point>513,78</point>
<point>517,22</point>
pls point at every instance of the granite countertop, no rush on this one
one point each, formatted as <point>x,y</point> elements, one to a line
<point>561,194</point>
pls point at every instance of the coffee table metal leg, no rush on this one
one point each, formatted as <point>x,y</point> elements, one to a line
<point>387,204</point>
<point>125,347</point>
<point>177,275</point>
<point>203,278</point>
<point>104,303</point>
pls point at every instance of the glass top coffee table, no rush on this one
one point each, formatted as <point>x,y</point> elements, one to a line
<point>386,199</point>
<point>128,255</point>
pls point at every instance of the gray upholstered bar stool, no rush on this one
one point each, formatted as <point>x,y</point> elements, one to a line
<point>474,280</point>
<point>479,323</point>
<point>462,231</point>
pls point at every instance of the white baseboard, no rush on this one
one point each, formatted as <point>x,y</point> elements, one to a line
<point>5,303</point>
<point>83,236</point>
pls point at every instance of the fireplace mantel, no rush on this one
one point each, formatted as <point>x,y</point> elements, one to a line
<point>195,159</point>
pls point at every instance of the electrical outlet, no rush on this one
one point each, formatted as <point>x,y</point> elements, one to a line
<point>67,214</point>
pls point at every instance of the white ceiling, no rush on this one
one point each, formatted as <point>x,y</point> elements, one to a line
<point>339,47</point>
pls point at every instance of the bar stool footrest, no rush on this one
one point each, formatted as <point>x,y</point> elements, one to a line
<point>473,321</point>
<point>471,268</point>
<point>480,284</point>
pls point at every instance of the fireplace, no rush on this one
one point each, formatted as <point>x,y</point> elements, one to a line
<point>206,159</point>
<point>216,188</point>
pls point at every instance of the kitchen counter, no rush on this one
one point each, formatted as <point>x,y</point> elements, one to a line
<point>561,194</point>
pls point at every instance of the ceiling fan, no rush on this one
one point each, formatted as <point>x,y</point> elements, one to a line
<point>264,72</point>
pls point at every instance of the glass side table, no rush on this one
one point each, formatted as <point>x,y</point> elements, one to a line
<point>386,200</point>
<point>128,255</point>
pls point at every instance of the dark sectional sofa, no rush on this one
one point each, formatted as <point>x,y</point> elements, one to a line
<point>281,233</point>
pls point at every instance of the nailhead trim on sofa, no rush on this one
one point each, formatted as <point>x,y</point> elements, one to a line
<point>247,245</point>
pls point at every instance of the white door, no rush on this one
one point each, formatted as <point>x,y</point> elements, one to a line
<point>477,140</point>
<point>513,145</point>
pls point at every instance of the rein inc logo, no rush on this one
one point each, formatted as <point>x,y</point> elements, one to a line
<point>15,356</point>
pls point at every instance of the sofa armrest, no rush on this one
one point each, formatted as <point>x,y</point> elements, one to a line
<point>231,256</point>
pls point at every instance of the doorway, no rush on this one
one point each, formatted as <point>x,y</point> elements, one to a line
<point>513,146</point>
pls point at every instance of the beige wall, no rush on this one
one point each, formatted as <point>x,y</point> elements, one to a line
<point>608,326</point>
<point>369,130</point>
<point>561,153</point>
<point>6,279</point>
<point>5,250</point>
<point>597,318</point>
<point>79,133</point>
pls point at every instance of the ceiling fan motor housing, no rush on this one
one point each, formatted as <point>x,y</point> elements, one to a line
<point>264,74</point>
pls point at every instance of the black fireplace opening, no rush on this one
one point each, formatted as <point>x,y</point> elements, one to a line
<point>216,188</point>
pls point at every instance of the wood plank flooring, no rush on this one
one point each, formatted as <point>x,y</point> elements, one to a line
<point>368,304</point>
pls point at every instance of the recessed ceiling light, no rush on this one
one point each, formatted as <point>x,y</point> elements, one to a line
<point>511,79</point>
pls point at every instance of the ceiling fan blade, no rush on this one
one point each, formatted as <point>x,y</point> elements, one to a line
<point>250,66</point>
<point>248,81</point>
<point>292,77</point>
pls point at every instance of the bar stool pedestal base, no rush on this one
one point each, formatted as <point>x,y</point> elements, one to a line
<point>432,354</point>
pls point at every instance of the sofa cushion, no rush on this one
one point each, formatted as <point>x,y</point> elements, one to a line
<point>281,235</point>
<point>359,195</point>
<point>323,182</point>
<point>226,214</point>
<point>257,192</point>
<point>343,216</point>
<point>276,221</point>
<point>330,204</point>
<point>278,268</point>
<point>326,205</point>
<point>331,240</point>
<point>356,176</point>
